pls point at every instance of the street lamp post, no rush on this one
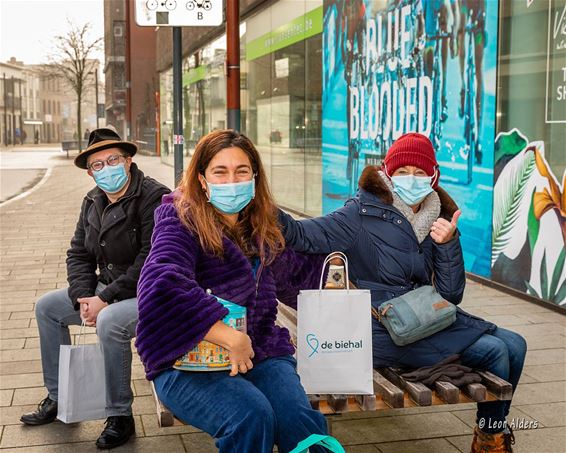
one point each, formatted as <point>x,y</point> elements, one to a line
<point>233,64</point>
<point>96,94</point>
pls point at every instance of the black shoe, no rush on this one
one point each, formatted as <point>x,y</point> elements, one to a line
<point>116,432</point>
<point>46,413</point>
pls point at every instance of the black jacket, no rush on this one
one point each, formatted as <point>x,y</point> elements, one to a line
<point>113,238</point>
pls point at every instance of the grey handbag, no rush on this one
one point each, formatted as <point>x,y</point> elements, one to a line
<point>415,315</point>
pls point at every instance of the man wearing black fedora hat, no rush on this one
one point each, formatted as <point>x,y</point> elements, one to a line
<point>110,244</point>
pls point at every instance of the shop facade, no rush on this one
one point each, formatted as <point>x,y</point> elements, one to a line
<point>327,86</point>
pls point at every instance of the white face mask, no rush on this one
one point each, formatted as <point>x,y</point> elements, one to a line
<point>231,198</point>
<point>412,189</point>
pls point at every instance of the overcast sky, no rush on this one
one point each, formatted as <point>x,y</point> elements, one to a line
<point>27,27</point>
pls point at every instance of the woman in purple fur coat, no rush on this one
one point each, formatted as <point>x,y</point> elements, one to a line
<point>217,239</point>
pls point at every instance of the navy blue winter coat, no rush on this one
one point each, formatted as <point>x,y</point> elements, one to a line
<point>385,257</point>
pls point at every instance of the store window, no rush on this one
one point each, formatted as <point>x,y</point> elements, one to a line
<point>529,235</point>
<point>281,91</point>
<point>166,115</point>
<point>204,86</point>
<point>283,111</point>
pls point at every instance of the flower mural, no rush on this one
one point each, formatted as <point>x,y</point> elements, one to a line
<point>529,219</point>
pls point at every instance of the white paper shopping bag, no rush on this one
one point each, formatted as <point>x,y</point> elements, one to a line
<point>334,340</point>
<point>82,386</point>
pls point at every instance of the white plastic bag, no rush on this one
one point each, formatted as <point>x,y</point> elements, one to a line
<point>82,385</point>
<point>334,340</point>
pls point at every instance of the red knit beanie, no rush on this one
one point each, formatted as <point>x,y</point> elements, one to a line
<point>412,149</point>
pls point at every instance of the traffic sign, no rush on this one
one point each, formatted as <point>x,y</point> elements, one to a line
<point>178,13</point>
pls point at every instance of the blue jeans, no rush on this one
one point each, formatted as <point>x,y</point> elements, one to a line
<point>115,327</point>
<point>245,413</point>
<point>502,353</point>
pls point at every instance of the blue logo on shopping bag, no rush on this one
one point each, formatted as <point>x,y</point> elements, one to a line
<point>312,341</point>
<point>332,345</point>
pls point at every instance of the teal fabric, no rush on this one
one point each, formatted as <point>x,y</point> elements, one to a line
<point>416,314</point>
<point>328,442</point>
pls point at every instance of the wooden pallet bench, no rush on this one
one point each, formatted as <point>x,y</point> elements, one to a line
<point>391,390</point>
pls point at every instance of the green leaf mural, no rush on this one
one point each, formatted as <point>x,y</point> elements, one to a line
<point>529,205</point>
<point>509,208</point>
<point>549,289</point>
<point>509,144</point>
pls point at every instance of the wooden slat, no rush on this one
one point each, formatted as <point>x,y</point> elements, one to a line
<point>447,392</point>
<point>288,313</point>
<point>366,402</point>
<point>390,394</point>
<point>418,392</point>
<point>287,317</point>
<point>164,415</point>
<point>315,401</point>
<point>477,392</point>
<point>338,403</point>
<point>324,408</point>
<point>502,390</point>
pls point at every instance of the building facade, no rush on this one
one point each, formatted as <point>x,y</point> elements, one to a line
<point>130,74</point>
<point>36,106</point>
<point>11,88</point>
<point>31,106</point>
<point>58,103</point>
<point>327,86</point>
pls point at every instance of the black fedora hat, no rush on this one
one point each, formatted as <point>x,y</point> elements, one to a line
<point>100,139</point>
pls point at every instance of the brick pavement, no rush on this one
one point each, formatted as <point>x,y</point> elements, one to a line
<point>35,233</point>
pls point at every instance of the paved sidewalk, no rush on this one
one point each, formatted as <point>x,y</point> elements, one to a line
<point>35,233</point>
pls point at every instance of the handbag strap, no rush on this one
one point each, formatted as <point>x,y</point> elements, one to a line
<point>333,255</point>
<point>329,442</point>
<point>82,334</point>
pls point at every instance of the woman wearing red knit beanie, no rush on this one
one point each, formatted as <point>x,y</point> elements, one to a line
<point>411,166</point>
<point>399,233</point>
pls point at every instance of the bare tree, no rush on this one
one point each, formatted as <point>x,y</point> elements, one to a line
<point>72,61</point>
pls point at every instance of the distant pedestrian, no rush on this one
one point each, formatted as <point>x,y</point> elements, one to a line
<point>36,137</point>
<point>18,136</point>
<point>24,136</point>
<point>103,265</point>
<point>86,134</point>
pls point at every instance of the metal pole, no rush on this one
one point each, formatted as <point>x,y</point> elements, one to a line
<point>21,112</point>
<point>177,104</point>
<point>13,113</point>
<point>233,63</point>
<point>5,138</point>
<point>128,109</point>
<point>96,94</point>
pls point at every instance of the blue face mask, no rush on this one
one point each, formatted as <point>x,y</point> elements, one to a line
<point>231,198</point>
<point>412,189</point>
<point>111,179</point>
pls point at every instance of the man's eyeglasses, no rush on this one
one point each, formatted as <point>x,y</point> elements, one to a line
<point>113,160</point>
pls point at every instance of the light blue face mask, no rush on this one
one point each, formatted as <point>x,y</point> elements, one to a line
<point>412,189</point>
<point>111,179</point>
<point>231,198</point>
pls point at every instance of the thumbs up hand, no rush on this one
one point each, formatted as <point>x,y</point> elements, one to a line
<point>442,230</point>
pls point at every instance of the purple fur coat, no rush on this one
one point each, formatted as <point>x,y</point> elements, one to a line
<point>175,311</point>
